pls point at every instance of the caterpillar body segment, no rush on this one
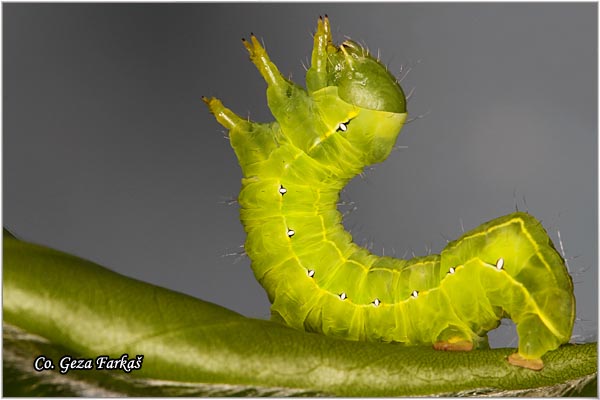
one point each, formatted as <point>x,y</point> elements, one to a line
<point>318,280</point>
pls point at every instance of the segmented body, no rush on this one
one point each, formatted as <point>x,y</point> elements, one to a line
<point>319,280</point>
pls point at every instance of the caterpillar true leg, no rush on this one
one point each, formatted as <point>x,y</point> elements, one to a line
<point>319,280</point>
<point>316,76</point>
<point>267,69</point>
<point>252,141</point>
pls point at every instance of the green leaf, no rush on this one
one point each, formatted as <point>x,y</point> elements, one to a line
<point>56,304</point>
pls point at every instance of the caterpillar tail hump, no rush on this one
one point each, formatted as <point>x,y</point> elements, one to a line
<point>317,279</point>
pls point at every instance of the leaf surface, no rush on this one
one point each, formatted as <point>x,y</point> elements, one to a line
<point>57,304</point>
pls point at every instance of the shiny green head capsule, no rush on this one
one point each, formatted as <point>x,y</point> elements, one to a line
<point>362,80</point>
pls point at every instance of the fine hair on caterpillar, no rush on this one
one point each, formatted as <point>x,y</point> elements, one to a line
<point>319,280</point>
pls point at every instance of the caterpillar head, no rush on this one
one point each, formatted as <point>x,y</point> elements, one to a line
<point>362,80</point>
<point>349,115</point>
<point>364,102</point>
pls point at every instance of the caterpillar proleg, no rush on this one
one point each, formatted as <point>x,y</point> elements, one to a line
<point>318,280</point>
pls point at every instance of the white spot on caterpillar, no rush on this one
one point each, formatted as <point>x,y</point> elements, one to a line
<point>282,190</point>
<point>415,294</point>
<point>342,127</point>
<point>291,232</point>
<point>500,264</point>
<point>311,273</point>
<point>376,302</point>
<point>452,270</point>
<point>343,296</point>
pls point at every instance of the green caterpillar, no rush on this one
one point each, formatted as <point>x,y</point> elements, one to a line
<point>318,280</point>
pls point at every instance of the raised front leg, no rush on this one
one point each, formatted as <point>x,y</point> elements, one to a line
<point>316,76</point>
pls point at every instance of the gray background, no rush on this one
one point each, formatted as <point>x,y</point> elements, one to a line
<point>110,154</point>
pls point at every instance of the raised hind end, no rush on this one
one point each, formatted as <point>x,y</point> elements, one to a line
<point>514,272</point>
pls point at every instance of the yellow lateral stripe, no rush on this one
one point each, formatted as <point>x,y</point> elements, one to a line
<point>507,223</point>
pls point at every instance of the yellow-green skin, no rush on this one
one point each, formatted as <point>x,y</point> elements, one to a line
<point>319,280</point>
